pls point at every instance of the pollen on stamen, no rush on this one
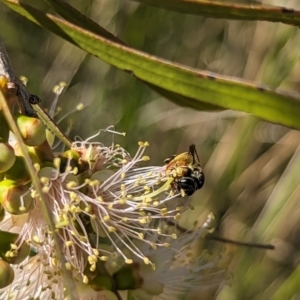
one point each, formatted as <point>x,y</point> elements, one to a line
<point>112,229</point>
<point>103,258</point>
<point>128,261</point>
<point>69,243</point>
<point>177,216</point>
<point>85,279</point>
<point>71,184</point>
<point>146,261</point>
<point>106,218</point>
<point>122,201</point>
<point>37,166</point>
<point>57,162</point>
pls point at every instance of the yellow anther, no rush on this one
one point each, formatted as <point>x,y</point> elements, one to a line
<point>68,243</point>
<point>54,261</point>
<point>71,184</point>
<point>13,246</point>
<point>103,258</point>
<point>37,166</point>
<point>93,268</point>
<point>143,220</point>
<point>75,171</point>
<point>85,279</point>
<point>122,200</point>
<point>112,229</point>
<point>146,260</point>
<point>92,259</point>
<point>68,266</point>
<point>179,208</point>
<point>45,189</point>
<point>44,180</point>
<point>36,239</point>
<point>93,183</point>
<point>57,162</point>
<point>128,261</point>
<point>177,217</point>
<point>88,208</point>
<point>95,251</point>
<point>106,218</point>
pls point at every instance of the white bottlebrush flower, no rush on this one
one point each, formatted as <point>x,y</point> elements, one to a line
<point>97,213</point>
<point>175,271</point>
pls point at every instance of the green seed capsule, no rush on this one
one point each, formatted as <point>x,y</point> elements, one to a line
<point>15,198</point>
<point>4,133</point>
<point>2,213</point>
<point>32,130</point>
<point>127,278</point>
<point>7,274</point>
<point>101,282</point>
<point>7,157</point>
<point>18,171</point>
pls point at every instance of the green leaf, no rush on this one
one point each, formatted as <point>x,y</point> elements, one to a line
<point>74,16</point>
<point>233,11</point>
<point>198,86</point>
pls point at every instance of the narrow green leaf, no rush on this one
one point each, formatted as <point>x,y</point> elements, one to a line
<point>270,105</point>
<point>72,15</point>
<point>233,11</point>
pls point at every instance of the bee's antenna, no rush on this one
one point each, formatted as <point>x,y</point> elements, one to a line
<point>193,151</point>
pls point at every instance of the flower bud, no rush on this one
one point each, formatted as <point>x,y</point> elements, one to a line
<point>32,130</point>
<point>9,251</point>
<point>101,282</point>
<point>18,171</point>
<point>7,274</point>
<point>7,157</point>
<point>2,213</point>
<point>4,134</point>
<point>127,278</point>
<point>15,198</point>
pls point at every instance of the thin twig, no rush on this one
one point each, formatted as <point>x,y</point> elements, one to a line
<point>226,240</point>
<point>23,96</point>
<point>7,70</point>
<point>238,243</point>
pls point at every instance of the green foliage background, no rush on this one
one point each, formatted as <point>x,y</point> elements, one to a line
<point>251,166</point>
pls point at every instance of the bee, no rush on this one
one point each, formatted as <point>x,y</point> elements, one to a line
<point>186,170</point>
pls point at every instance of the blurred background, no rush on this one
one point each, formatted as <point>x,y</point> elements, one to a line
<point>252,167</point>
